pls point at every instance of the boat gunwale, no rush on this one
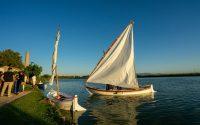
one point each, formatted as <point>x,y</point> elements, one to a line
<point>141,88</point>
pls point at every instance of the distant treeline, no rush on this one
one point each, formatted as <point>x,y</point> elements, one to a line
<point>168,75</point>
<point>73,77</point>
<point>46,77</point>
<point>142,75</point>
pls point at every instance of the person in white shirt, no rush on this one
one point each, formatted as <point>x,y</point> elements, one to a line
<point>34,80</point>
<point>24,83</point>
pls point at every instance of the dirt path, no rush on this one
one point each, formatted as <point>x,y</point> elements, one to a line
<point>5,99</point>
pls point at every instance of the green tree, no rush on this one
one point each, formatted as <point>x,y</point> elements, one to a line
<point>9,57</point>
<point>44,78</point>
<point>33,69</point>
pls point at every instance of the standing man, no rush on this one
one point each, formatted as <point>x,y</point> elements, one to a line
<point>24,83</point>
<point>19,81</point>
<point>8,78</point>
<point>1,79</point>
<point>33,80</point>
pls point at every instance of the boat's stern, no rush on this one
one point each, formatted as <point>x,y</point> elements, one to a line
<point>151,87</point>
<point>76,106</point>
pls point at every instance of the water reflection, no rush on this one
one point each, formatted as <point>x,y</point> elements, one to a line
<point>115,110</point>
<point>70,118</point>
<point>104,110</point>
<point>177,102</point>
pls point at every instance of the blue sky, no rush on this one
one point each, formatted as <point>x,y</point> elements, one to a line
<point>167,32</point>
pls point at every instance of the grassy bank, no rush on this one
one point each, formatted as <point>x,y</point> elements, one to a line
<point>29,110</point>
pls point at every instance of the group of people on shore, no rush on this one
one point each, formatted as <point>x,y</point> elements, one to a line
<point>19,80</point>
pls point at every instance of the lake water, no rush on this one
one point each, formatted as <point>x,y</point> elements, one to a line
<point>176,102</point>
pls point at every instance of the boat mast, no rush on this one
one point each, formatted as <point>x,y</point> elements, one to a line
<point>132,23</point>
<point>57,83</point>
<point>56,68</point>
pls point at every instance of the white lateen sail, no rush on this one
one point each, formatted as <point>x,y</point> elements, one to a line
<point>54,57</point>
<point>117,65</point>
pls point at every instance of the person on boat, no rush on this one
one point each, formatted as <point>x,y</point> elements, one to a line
<point>109,87</point>
<point>8,78</point>
<point>119,88</point>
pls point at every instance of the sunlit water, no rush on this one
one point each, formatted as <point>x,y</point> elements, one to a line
<point>176,102</point>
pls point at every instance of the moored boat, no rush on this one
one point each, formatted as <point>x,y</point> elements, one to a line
<point>143,90</point>
<point>63,101</point>
<point>116,69</point>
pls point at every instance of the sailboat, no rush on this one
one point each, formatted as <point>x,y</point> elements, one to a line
<point>63,101</point>
<point>116,69</point>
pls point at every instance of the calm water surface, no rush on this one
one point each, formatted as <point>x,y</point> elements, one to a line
<point>176,102</point>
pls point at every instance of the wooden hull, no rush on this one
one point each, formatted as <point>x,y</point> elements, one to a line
<point>64,103</point>
<point>68,103</point>
<point>141,91</point>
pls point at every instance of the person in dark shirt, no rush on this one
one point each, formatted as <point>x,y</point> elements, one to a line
<point>8,78</point>
<point>1,81</point>
<point>15,83</point>
<point>19,81</point>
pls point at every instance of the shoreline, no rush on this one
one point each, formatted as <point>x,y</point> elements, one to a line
<point>140,75</point>
<point>169,75</point>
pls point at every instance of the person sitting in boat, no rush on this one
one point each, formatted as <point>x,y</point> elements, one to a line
<point>109,87</point>
<point>119,88</point>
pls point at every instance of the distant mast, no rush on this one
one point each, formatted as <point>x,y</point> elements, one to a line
<point>27,59</point>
